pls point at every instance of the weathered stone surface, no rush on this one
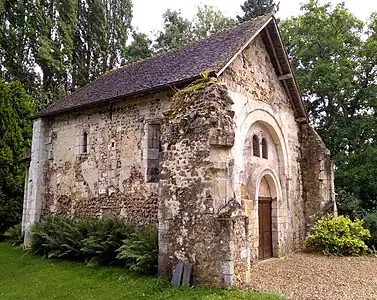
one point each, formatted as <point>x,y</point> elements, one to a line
<point>224,148</point>
<point>288,176</point>
<point>194,139</point>
<point>317,174</point>
<point>110,179</point>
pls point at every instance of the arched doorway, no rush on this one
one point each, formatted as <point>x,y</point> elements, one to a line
<point>266,198</point>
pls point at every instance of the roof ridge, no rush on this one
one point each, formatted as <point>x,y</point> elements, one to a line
<point>166,52</point>
<point>162,69</point>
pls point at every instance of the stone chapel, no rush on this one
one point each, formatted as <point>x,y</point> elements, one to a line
<point>230,172</point>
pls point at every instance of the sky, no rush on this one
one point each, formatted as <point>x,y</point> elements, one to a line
<point>148,13</point>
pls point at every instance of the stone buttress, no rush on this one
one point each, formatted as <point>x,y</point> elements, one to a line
<point>199,220</point>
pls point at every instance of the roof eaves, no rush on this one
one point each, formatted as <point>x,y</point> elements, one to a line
<point>294,80</point>
<point>176,84</point>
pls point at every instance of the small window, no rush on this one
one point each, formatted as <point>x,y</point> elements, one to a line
<point>256,149</point>
<point>85,143</point>
<point>264,148</point>
<point>154,149</point>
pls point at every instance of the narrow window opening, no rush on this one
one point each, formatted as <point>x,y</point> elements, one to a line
<point>111,112</point>
<point>264,148</point>
<point>85,143</point>
<point>154,149</point>
<point>256,149</point>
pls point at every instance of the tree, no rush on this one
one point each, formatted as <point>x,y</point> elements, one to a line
<point>179,31</point>
<point>56,46</point>
<point>16,45</point>
<point>335,61</point>
<point>256,8</point>
<point>176,33</point>
<point>140,48</point>
<point>101,35</point>
<point>208,21</point>
<point>15,138</point>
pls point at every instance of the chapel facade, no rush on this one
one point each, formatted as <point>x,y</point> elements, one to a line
<point>230,172</point>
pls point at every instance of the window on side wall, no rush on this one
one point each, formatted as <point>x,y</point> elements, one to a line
<point>256,149</point>
<point>85,142</point>
<point>264,148</point>
<point>154,149</point>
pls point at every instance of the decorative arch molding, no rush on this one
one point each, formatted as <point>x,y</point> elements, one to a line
<point>254,181</point>
<point>269,121</point>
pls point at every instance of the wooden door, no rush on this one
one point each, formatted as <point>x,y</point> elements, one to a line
<point>265,228</point>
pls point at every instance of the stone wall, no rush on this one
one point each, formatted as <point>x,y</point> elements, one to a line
<point>262,105</point>
<point>317,174</point>
<point>197,210</point>
<point>107,173</point>
<point>34,186</point>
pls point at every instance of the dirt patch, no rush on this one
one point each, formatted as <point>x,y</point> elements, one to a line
<point>303,276</point>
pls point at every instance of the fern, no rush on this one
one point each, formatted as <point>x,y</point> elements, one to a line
<point>14,235</point>
<point>140,251</point>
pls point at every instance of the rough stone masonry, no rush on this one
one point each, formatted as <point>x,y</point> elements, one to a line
<point>228,169</point>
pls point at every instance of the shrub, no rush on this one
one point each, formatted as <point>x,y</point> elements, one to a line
<point>370,220</point>
<point>14,235</point>
<point>140,251</point>
<point>339,236</point>
<point>88,239</point>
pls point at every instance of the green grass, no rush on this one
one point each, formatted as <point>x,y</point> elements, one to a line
<point>25,276</point>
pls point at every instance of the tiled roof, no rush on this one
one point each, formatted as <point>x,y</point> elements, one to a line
<point>162,71</point>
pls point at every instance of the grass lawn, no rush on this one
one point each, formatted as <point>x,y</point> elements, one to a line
<point>25,276</point>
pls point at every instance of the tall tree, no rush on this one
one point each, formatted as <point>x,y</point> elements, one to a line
<point>55,46</point>
<point>176,32</point>
<point>101,36</point>
<point>140,48</point>
<point>179,31</point>
<point>15,135</point>
<point>208,21</point>
<point>335,61</point>
<point>15,44</point>
<point>256,8</point>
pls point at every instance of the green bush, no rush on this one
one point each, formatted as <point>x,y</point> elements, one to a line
<point>14,235</point>
<point>338,236</point>
<point>89,239</point>
<point>140,251</point>
<point>370,220</point>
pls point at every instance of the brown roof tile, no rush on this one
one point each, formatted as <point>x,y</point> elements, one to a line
<point>160,72</point>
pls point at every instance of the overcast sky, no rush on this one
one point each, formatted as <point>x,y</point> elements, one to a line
<point>148,13</point>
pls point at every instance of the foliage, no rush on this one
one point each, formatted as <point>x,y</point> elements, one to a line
<point>15,132</point>
<point>140,251</point>
<point>25,274</point>
<point>100,40</point>
<point>339,236</point>
<point>53,47</point>
<point>14,235</point>
<point>370,220</point>
<point>349,205</point>
<point>179,31</point>
<point>204,80</point>
<point>334,56</point>
<point>256,8</point>
<point>140,48</point>
<point>88,239</point>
